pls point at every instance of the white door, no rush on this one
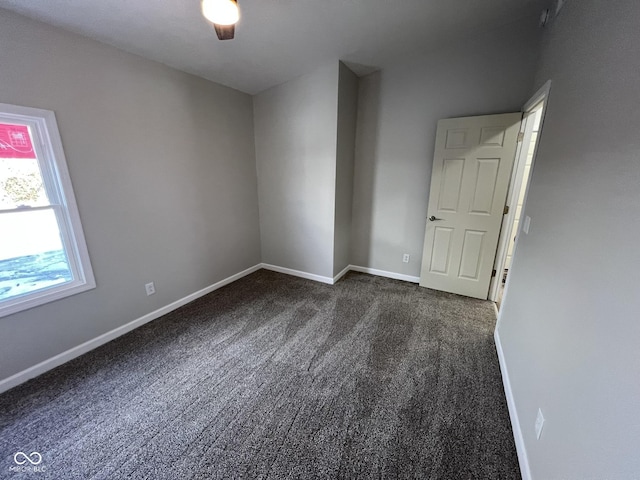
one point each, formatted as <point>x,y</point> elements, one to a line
<point>469,181</point>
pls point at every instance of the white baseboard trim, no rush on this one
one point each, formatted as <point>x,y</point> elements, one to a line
<point>85,347</point>
<point>344,271</point>
<point>523,458</point>
<point>348,268</point>
<point>298,273</point>
<point>383,273</point>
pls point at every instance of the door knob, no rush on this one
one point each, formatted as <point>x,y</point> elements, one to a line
<point>432,218</point>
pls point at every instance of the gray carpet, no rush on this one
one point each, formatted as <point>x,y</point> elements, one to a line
<point>278,377</point>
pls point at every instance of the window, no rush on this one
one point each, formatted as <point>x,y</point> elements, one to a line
<point>43,255</point>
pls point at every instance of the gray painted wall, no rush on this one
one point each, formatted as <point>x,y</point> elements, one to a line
<point>163,168</point>
<point>345,152</point>
<point>570,325</point>
<point>295,136</point>
<point>398,109</point>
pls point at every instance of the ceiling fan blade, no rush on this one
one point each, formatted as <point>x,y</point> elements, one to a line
<point>225,32</point>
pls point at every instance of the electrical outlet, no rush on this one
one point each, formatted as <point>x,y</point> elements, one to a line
<point>405,258</point>
<point>150,288</point>
<point>539,424</point>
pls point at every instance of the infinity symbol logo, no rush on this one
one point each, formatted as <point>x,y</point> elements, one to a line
<point>27,458</point>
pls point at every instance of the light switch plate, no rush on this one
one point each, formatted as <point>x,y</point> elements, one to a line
<point>526,224</point>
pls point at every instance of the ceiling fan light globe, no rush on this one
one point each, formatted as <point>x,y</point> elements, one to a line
<point>221,12</point>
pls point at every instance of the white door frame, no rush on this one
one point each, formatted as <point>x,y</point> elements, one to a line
<point>514,188</point>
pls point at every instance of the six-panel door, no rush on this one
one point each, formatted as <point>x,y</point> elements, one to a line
<point>469,181</point>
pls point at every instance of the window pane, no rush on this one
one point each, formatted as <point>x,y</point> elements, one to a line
<point>20,177</point>
<point>31,253</point>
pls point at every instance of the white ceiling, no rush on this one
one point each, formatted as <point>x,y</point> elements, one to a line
<point>277,40</point>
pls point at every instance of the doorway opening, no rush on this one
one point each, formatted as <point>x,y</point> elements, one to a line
<point>520,188</point>
<point>516,199</point>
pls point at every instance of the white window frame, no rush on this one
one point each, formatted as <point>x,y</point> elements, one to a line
<point>55,174</point>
